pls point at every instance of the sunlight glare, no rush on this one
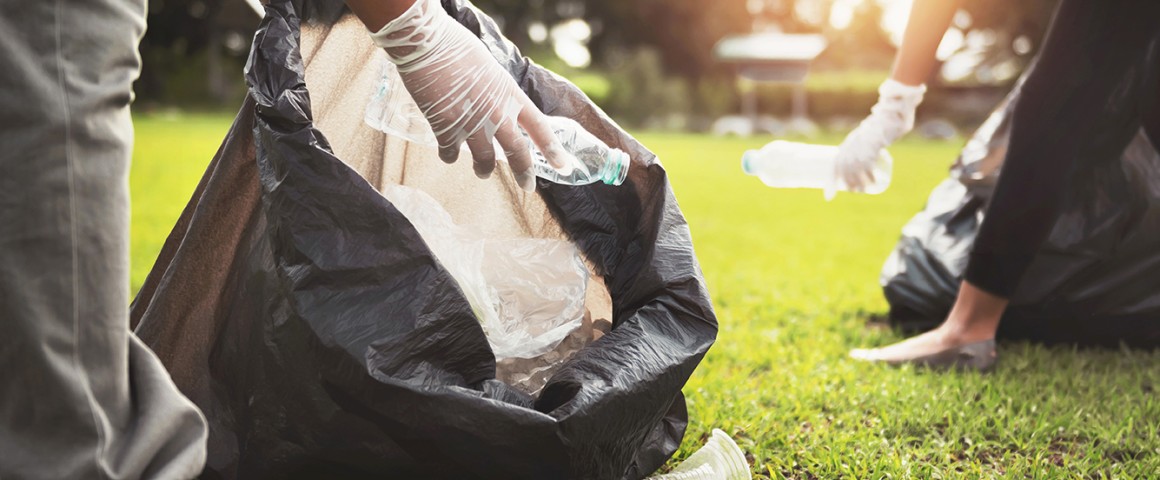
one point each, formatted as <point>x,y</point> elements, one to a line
<point>570,41</point>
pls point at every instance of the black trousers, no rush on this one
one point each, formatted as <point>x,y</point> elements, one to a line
<point>1095,84</point>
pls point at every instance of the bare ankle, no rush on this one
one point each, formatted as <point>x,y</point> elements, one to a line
<point>963,330</point>
<point>975,316</point>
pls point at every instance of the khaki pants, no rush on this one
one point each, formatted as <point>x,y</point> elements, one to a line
<point>80,396</point>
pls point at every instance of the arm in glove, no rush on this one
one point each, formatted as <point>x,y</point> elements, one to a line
<point>890,119</point>
<point>465,94</point>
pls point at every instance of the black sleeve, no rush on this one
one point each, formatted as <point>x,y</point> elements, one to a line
<point>1082,103</point>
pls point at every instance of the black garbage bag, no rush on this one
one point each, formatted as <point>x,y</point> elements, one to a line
<point>311,323</point>
<point>1095,281</point>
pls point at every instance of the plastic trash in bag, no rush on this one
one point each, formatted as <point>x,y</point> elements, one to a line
<point>312,322</point>
<point>1095,279</point>
<point>528,293</point>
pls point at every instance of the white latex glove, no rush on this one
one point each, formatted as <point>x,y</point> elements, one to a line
<point>465,94</point>
<point>890,119</point>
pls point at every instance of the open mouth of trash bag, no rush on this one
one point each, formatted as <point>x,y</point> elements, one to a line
<point>300,303</point>
<point>529,294</point>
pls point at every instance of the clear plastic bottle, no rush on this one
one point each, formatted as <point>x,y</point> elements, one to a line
<point>783,164</point>
<point>595,161</point>
<point>392,111</point>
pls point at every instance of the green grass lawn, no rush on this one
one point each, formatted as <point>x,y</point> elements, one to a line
<point>794,279</point>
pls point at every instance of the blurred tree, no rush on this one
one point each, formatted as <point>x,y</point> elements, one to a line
<point>1024,20</point>
<point>999,40</point>
<point>861,45</point>
<point>1021,24</point>
<point>1009,34</point>
<point>682,31</point>
<point>517,16</point>
<point>642,92</point>
<point>191,48</point>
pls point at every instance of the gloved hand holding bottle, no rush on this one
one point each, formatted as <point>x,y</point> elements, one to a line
<point>464,93</point>
<point>898,97</point>
<point>860,164</point>
<point>890,119</point>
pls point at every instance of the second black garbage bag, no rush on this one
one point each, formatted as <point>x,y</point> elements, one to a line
<point>1095,281</point>
<point>310,321</point>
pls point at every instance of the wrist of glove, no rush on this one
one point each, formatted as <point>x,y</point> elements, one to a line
<point>413,40</point>
<point>894,112</point>
<point>465,94</point>
<point>890,119</point>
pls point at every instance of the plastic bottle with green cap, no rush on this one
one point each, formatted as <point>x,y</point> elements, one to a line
<point>595,161</point>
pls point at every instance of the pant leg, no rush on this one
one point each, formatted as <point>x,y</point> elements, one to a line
<point>80,397</point>
<point>1080,106</point>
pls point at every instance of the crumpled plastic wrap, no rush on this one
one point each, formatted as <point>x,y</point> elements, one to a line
<point>527,293</point>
